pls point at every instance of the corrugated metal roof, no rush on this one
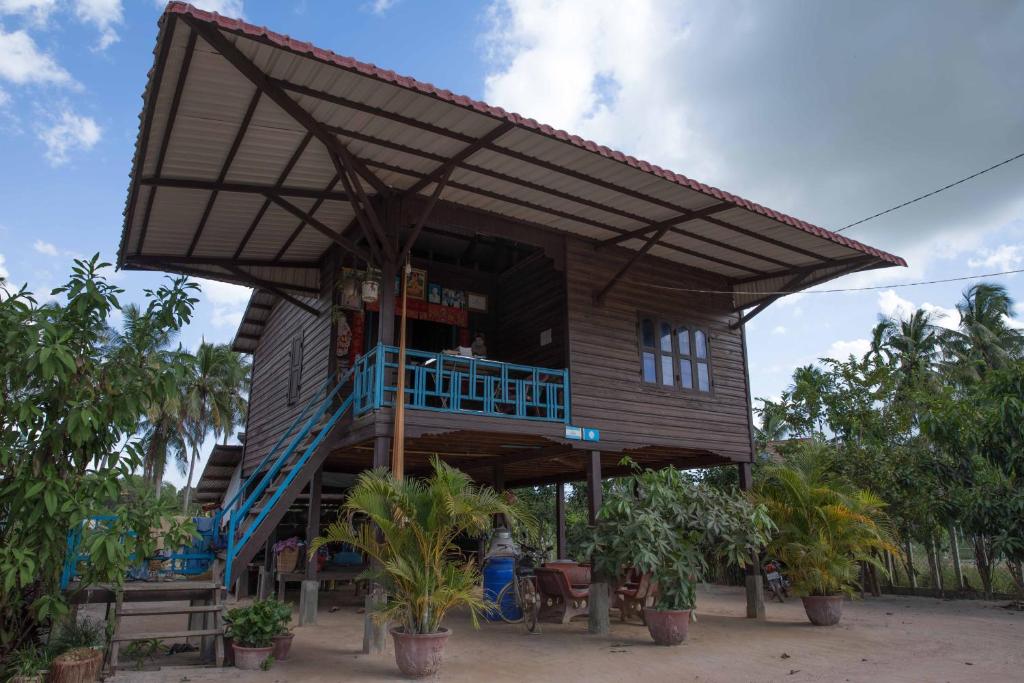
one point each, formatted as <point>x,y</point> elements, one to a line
<point>228,184</point>
<point>254,320</point>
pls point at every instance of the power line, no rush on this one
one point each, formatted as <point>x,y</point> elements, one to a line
<point>841,289</point>
<point>933,192</point>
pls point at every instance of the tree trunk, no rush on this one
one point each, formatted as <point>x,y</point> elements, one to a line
<point>1017,572</point>
<point>188,485</point>
<point>934,570</point>
<point>981,559</point>
<point>911,574</point>
<point>954,550</point>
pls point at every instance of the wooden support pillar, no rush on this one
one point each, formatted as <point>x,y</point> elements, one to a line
<point>597,619</point>
<point>752,572</point>
<point>560,552</point>
<point>310,592</point>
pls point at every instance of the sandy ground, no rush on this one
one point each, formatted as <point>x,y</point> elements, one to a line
<point>879,639</point>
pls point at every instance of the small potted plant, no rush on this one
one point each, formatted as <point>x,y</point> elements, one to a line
<point>418,521</point>
<point>826,529</point>
<point>78,648</point>
<point>284,636</point>
<point>27,665</point>
<point>286,554</point>
<point>662,524</point>
<point>252,630</point>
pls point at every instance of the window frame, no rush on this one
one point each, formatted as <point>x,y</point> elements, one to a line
<point>674,326</point>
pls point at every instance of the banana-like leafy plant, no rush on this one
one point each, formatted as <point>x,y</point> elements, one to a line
<point>408,528</point>
<point>825,528</point>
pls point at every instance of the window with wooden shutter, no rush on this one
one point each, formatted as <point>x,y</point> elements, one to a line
<point>295,370</point>
<point>674,356</point>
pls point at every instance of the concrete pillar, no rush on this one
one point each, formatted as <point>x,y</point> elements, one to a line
<point>308,595</point>
<point>374,634</point>
<point>752,572</point>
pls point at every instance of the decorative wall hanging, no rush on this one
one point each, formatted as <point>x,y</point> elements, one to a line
<point>476,302</point>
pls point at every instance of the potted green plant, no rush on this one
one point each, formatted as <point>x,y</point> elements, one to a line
<point>664,524</point>
<point>252,630</point>
<point>27,665</point>
<point>284,636</point>
<point>77,649</point>
<point>825,529</point>
<point>408,528</point>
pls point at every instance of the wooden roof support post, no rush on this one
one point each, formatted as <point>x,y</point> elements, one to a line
<point>597,620</point>
<point>340,240</point>
<point>752,572</point>
<point>442,181</point>
<point>599,296</point>
<point>398,442</point>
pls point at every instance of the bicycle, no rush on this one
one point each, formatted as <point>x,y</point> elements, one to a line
<point>523,588</point>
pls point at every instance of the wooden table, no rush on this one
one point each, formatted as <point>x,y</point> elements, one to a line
<point>348,574</point>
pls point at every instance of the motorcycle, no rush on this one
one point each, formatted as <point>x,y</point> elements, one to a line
<point>775,582</point>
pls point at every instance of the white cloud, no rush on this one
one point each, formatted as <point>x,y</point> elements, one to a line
<point>779,329</point>
<point>381,6</point>
<point>3,271</point>
<point>38,11</point>
<point>5,98</point>
<point>45,248</point>
<point>227,8</point>
<point>104,15</point>
<point>726,93</point>
<point>1002,258</point>
<point>228,301</point>
<point>67,133</point>
<point>22,62</point>
<point>841,350</point>
<point>943,317</point>
<point>893,305</point>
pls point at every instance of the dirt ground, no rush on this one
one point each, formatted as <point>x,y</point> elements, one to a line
<point>879,639</point>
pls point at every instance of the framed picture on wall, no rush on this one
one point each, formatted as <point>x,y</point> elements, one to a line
<point>453,298</point>
<point>417,284</point>
<point>434,293</point>
<point>476,302</point>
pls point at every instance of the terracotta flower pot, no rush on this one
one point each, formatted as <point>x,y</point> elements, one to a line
<point>250,658</point>
<point>229,652</point>
<point>667,626</point>
<point>823,610</point>
<point>81,665</point>
<point>419,654</point>
<point>282,646</point>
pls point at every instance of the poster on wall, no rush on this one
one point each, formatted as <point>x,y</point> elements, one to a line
<point>476,302</point>
<point>453,298</point>
<point>434,293</point>
<point>417,284</point>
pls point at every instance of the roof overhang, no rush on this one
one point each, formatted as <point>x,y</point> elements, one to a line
<point>257,153</point>
<point>216,476</point>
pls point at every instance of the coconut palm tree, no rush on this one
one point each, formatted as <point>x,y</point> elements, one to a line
<point>215,382</point>
<point>985,340</point>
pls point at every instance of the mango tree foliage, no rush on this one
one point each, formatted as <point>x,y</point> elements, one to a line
<point>71,399</point>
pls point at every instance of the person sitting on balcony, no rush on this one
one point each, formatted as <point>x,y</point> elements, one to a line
<point>479,346</point>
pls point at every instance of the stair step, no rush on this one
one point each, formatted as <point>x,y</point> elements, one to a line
<point>167,634</point>
<point>154,611</point>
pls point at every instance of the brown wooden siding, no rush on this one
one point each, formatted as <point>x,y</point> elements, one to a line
<point>270,414</point>
<point>531,299</point>
<point>604,360</point>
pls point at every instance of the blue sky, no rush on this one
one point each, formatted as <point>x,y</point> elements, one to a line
<point>829,112</point>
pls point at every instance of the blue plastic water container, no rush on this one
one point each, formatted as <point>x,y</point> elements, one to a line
<point>498,573</point>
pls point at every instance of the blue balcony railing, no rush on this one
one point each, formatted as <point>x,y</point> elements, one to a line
<point>460,384</point>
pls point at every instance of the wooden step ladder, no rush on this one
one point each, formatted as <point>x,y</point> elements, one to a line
<point>209,592</point>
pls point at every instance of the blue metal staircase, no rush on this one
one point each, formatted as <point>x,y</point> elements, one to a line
<point>265,495</point>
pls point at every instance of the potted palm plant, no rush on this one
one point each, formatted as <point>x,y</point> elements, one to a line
<point>27,665</point>
<point>826,528</point>
<point>408,528</point>
<point>252,630</point>
<point>664,524</point>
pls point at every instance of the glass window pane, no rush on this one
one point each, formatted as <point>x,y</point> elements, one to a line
<point>683,335</point>
<point>666,338</point>
<point>685,374</point>
<point>649,370</point>
<point>647,332</point>
<point>700,344</point>
<point>667,371</point>
<point>703,380</point>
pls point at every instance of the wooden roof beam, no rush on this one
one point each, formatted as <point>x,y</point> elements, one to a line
<point>445,169</point>
<point>222,261</point>
<point>651,241</point>
<point>227,49</point>
<point>273,288</point>
<point>302,223</point>
<point>225,167</point>
<point>338,239</point>
<point>172,116</point>
<point>245,188</point>
<point>258,218</point>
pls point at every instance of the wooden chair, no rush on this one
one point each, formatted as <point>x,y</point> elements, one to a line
<point>560,600</point>
<point>633,594</point>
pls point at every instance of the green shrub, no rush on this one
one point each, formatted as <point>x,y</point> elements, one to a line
<point>257,624</point>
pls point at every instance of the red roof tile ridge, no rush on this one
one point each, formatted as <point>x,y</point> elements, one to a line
<point>352,64</point>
